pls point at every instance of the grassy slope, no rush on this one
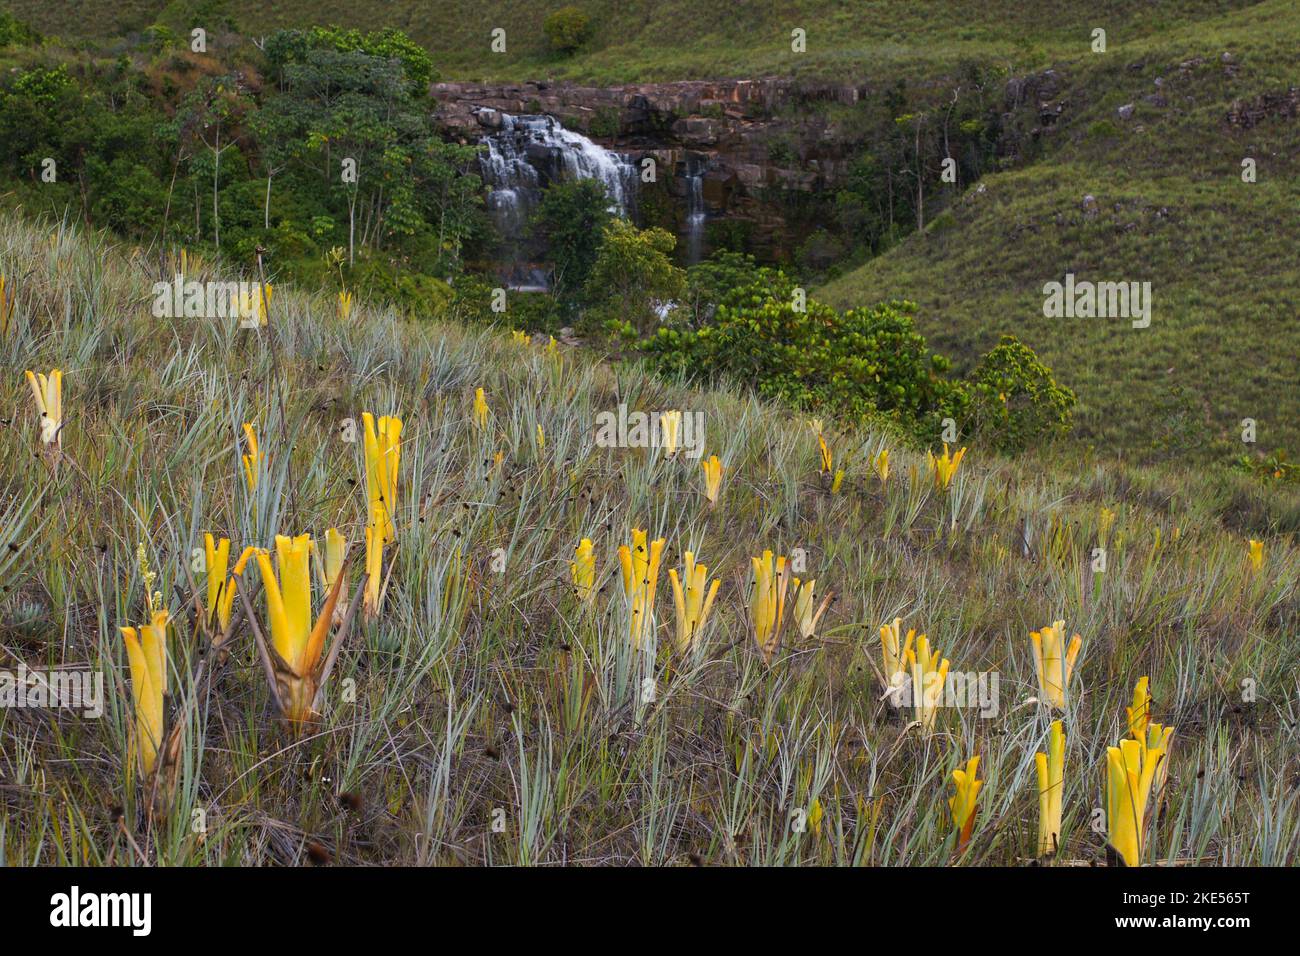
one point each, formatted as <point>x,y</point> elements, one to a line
<point>1220,253</point>
<point>670,39</point>
<point>477,690</point>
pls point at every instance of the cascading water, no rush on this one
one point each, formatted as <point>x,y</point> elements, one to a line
<point>695,211</point>
<point>528,153</point>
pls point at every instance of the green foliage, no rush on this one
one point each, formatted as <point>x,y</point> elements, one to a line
<point>571,220</point>
<point>852,364</point>
<point>566,29</point>
<point>220,161</point>
<point>742,321</point>
<point>606,123</point>
<point>184,15</point>
<point>1015,402</point>
<point>633,275</point>
<point>729,277</point>
<point>1272,469</point>
<point>14,32</point>
<point>471,300</point>
<point>417,295</point>
<point>160,37</point>
<point>287,47</point>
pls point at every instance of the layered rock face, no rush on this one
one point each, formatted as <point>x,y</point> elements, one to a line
<point>751,163</point>
<point>738,150</point>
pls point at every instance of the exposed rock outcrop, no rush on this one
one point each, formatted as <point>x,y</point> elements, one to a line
<point>750,146</point>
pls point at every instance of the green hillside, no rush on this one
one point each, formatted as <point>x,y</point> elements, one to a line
<point>1169,206</point>
<point>672,39</point>
<point>482,681</point>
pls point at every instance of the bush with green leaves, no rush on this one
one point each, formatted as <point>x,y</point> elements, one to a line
<point>287,47</point>
<point>14,32</point>
<point>566,29</point>
<point>633,277</point>
<point>1015,402</point>
<point>744,322</point>
<point>856,364</point>
<point>570,223</point>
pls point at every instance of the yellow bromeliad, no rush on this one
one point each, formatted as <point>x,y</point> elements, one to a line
<point>713,470</point>
<point>253,458</point>
<point>881,465</point>
<point>48,392</point>
<point>962,802</point>
<point>767,603</point>
<point>1139,715</point>
<point>929,674</point>
<point>520,338</point>
<point>541,438</point>
<point>255,304</point>
<point>1131,769</point>
<point>582,570</point>
<point>336,553</point>
<point>374,569</point>
<point>670,427</point>
<point>298,646</point>
<point>1051,784</point>
<point>825,451</point>
<point>383,456</point>
<point>480,409</point>
<point>7,296</point>
<point>345,305</point>
<point>640,564</point>
<point>1158,737</point>
<point>146,652</point>
<point>693,602</point>
<point>804,599</point>
<point>1105,521</point>
<point>943,468</point>
<point>1256,555</point>
<point>221,587</point>
<point>893,652</point>
<point>1054,662</point>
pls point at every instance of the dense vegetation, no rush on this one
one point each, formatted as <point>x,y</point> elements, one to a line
<point>317,149</point>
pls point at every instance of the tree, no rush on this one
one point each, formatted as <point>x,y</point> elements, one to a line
<point>566,29</point>
<point>1015,400</point>
<point>571,220</point>
<point>633,276</point>
<point>210,111</point>
<point>14,32</point>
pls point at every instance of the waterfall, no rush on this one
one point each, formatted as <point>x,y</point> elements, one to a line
<point>528,153</point>
<point>695,212</point>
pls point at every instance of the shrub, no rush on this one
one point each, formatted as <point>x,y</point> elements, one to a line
<point>1273,468</point>
<point>855,364</point>
<point>570,220</point>
<point>566,29</point>
<point>633,274</point>
<point>14,32</point>
<point>1015,402</point>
